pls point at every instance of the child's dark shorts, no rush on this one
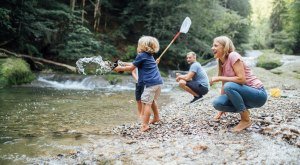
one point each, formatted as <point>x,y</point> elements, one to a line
<point>139,89</point>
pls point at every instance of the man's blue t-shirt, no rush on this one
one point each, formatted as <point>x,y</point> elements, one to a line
<point>200,75</point>
<point>148,71</point>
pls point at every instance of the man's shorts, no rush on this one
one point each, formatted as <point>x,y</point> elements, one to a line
<point>150,94</point>
<point>139,89</point>
<point>197,88</point>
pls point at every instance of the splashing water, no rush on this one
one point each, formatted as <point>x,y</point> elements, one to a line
<point>95,64</point>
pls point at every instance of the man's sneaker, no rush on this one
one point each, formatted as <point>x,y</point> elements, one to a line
<point>195,99</point>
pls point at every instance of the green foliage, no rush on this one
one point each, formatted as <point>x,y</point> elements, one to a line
<point>277,19</point>
<point>16,72</point>
<point>113,79</point>
<point>32,50</point>
<point>5,23</point>
<point>285,26</point>
<point>260,25</point>
<point>241,26</point>
<point>269,60</point>
<point>3,81</point>
<point>79,43</point>
<point>51,30</point>
<point>295,24</point>
<point>242,7</point>
<point>283,42</point>
<point>130,53</point>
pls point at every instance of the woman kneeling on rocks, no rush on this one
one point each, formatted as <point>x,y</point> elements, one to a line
<point>241,90</point>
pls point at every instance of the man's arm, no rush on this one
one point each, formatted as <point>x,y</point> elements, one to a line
<point>186,77</point>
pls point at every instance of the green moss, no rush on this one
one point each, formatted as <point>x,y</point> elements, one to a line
<point>15,72</point>
<point>269,60</point>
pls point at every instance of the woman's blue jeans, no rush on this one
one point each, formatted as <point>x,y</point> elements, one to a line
<point>238,98</point>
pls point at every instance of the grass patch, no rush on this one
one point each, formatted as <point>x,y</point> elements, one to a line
<point>269,60</point>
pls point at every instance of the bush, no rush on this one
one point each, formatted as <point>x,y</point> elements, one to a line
<point>130,53</point>
<point>269,61</point>
<point>15,72</point>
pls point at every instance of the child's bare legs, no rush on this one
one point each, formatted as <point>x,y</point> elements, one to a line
<point>140,109</point>
<point>149,95</point>
<point>155,113</point>
<point>147,113</point>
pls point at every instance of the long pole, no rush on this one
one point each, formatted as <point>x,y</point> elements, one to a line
<point>169,45</point>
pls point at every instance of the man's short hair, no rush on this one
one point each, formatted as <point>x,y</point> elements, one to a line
<point>192,53</point>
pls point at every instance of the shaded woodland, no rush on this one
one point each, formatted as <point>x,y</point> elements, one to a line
<point>66,30</point>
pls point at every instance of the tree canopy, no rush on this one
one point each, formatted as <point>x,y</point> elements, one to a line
<point>276,25</point>
<point>67,30</point>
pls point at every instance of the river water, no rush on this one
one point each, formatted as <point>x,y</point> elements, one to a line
<point>55,114</point>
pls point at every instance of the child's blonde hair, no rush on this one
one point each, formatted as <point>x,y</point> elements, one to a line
<point>148,44</point>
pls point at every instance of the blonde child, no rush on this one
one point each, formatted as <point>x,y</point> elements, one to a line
<point>149,77</point>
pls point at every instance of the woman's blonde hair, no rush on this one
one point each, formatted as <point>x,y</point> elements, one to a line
<point>148,44</point>
<point>227,44</point>
<point>228,47</point>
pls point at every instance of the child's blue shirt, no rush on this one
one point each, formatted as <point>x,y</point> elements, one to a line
<point>148,71</point>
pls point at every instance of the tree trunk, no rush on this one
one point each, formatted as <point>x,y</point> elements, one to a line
<point>97,15</point>
<point>83,12</point>
<point>72,4</point>
<point>68,67</point>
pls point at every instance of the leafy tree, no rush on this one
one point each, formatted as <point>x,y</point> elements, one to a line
<point>285,26</point>
<point>67,30</point>
<point>242,24</point>
<point>295,27</point>
<point>277,17</point>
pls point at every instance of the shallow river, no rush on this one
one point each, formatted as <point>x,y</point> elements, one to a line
<point>38,121</point>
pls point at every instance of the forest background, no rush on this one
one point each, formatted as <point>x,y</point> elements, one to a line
<point>66,30</point>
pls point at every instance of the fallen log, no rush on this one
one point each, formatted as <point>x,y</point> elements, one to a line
<point>42,60</point>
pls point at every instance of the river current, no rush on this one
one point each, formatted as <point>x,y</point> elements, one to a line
<point>56,113</point>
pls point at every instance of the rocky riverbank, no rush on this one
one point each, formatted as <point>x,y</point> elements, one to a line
<point>187,134</point>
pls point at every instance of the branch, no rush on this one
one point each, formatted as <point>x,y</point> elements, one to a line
<point>69,67</point>
<point>6,42</point>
